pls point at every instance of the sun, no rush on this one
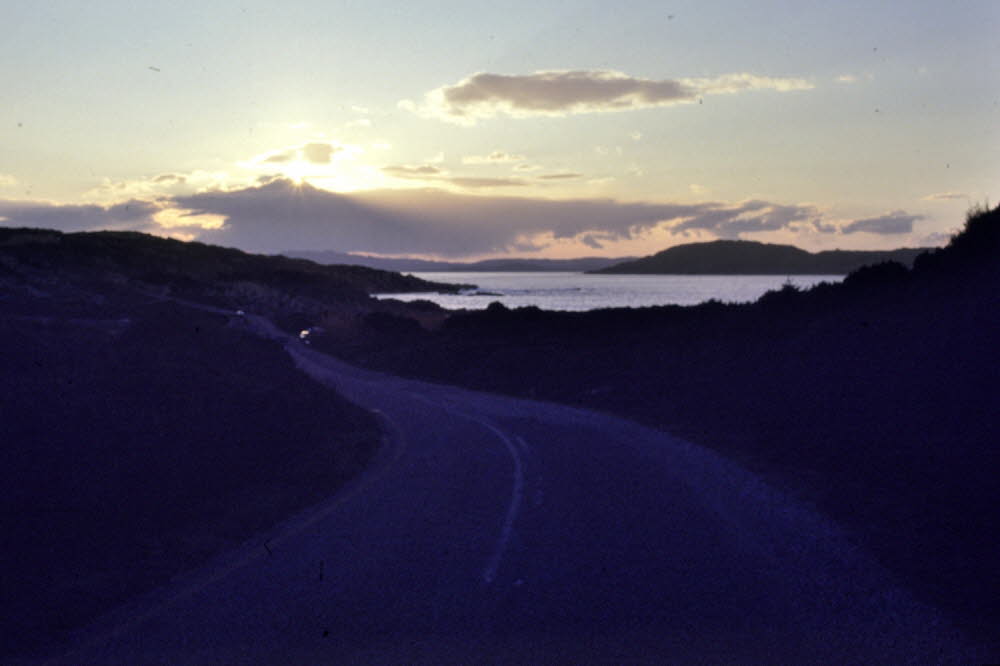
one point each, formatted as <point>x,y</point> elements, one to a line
<point>296,171</point>
<point>351,176</point>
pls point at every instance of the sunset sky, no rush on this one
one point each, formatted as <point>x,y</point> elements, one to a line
<point>471,129</point>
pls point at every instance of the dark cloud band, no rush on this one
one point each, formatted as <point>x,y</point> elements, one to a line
<point>896,222</point>
<point>279,214</point>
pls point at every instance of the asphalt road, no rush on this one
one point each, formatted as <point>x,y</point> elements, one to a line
<point>496,530</point>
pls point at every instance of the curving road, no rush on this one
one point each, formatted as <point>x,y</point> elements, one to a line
<point>496,530</point>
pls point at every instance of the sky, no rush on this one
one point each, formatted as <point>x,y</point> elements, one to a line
<point>468,129</point>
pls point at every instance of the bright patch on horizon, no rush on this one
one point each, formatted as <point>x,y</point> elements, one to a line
<point>328,164</point>
<point>311,152</point>
<point>179,218</point>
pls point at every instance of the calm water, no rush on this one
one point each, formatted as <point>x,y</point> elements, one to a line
<point>579,291</point>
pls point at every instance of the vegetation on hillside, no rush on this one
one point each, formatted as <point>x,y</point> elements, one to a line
<point>206,273</point>
<point>140,435</point>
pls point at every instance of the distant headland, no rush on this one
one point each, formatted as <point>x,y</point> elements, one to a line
<point>722,257</point>
<point>409,265</point>
<point>741,257</point>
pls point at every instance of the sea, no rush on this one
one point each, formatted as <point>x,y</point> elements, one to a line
<point>583,291</point>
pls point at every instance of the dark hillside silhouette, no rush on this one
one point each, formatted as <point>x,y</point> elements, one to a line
<point>740,257</point>
<point>202,270</point>
<point>875,398</point>
<point>140,435</point>
<point>135,447</point>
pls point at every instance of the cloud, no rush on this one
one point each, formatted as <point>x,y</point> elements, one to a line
<point>423,172</point>
<point>161,185</point>
<point>559,92</point>
<point>467,181</point>
<point>560,176</point>
<point>945,196</point>
<point>937,238</point>
<point>279,157</point>
<point>183,223</point>
<point>280,215</point>
<point>170,179</point>
<point>847,78</point>
<point>596,240</point>
<point>728,84</point>
<point>319,153</point>
<point>496,157</point>
<point>132,214</point>
<point>7,180</point>
<point>824,227</point>
<point>277,214</point>
<point>896,222</point>
<point>431,173</point>
<point>746,217</point>
<point>313,152</point>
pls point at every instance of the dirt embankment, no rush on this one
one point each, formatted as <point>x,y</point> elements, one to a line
<point>140,438</point>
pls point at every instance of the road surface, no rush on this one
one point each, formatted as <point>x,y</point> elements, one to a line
<point>497,530</point>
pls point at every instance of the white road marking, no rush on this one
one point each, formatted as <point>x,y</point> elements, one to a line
<point>538,496</point>
<point>490,572</point>
<point>517,493</point>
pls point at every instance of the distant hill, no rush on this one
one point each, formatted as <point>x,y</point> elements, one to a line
<point>196,270</point>
<point>582,264</point>
<point>728,257</point>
